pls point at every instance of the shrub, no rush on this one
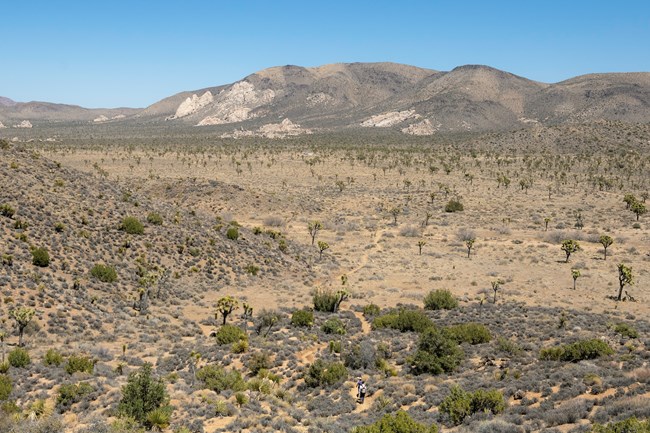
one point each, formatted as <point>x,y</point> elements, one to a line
<point>52,357</point>
<point>142,395</point>
<point>5,387</point>
<point>259,361</point>
<point>440,300</point>
<point>401,422</point>
<point>239,346</point>
<point>19,358</point>
<point>216,378</point>
<point>232,233</point>
<point>328,300</point>
<point>626,330</point>
<point>404,320</point>
<point>71,393</point>
<point>460,404</point>
<point>159,418</point>
<point>302,318</point>
<point>40,257</point>
<point>371,310</point>
<point>472,333</point>
<point>79,363</point>
<point>333,326</point>
<point>437,353</point>
<point>585,349</point>
<point>454,206</point>
<point>630,425</point>
<point>132,226</point>
<point>322,373</point>
<point>229,334</point>
<point>6,210</point>
<point>154,218</point>
<point>104,273</point>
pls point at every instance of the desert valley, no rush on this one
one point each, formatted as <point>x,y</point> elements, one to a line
<point>474,245</point>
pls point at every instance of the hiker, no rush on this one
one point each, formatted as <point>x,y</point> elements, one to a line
<point>359,383</point>
<point>362,392</point>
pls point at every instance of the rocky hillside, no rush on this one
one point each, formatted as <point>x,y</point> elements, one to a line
<point>412,100</point>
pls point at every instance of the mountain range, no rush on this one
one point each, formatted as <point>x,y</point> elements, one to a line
<point>291,100</point>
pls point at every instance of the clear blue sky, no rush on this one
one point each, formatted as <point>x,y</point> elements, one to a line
<point>133,53</point>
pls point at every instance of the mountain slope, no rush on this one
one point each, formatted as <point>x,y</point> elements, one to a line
<point>374,95</point>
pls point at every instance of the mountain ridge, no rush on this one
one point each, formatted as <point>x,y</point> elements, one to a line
<point>350,95</point>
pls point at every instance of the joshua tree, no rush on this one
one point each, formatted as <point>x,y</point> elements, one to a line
<point>322,246</point>
<point>314,227</point>
<point>606,241</point>
<point>644,197</point>
<point>267,319</point>
<point>638,208</point>
<point>341,185</point>
<point>427,216</point>
<point>569,246</point>
<point>3,334</point>
<point>22,316</point>
<point>624,279</point>
<point>194,359</point>
<point>546,221</point>
<point>496,286</point>
<point>575,273</point>
<point>421,243</point>
<point>395,212</point>
<point>629,199</point>
<point>469,243</point>
<point>225,306</point>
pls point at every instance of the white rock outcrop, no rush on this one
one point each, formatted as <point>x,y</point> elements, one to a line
<point>2,126</point>
<point>24,124</point>
<point>237,104</point>
<point>421,128</point>
<point>193,104</point>
<point>284,129</point>
<point>321,98</point>
<point>391,118</point>
<point>100,119</point>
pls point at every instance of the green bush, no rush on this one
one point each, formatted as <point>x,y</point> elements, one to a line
<point>333,326</point>
<point>216,378</point>
<point>401,422</point>
<point>626,330</point>
<point>5,387</point>
<point>53,357</point>
<point>440,300</point>
<point>142,395</point>
<point>70,393</point>
<point>578,351</point>
<point>154,218</point>
<point>79,363</point>
<point>104,273</point>
<point>460,404</point>
<point>132,226</point>
<point>630,425</point>
<point>371,310</point>
<point>327,300</point>
<point>404,320</point>
<point>322,373</point>
<point>258,361</point>
<point>19,358</point>
<point>472,333</point>
<point>40,257</point>
<point>229,334</point>
<point>232,233</point>
<point>454,206</point>
<point>437,353</point>
<point>302,318</point>
<point>6,210</point>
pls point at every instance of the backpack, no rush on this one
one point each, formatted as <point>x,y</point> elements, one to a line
<point>362,389</point>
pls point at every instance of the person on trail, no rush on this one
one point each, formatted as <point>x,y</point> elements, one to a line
<point>359,383</point>
<point>362,392</point>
